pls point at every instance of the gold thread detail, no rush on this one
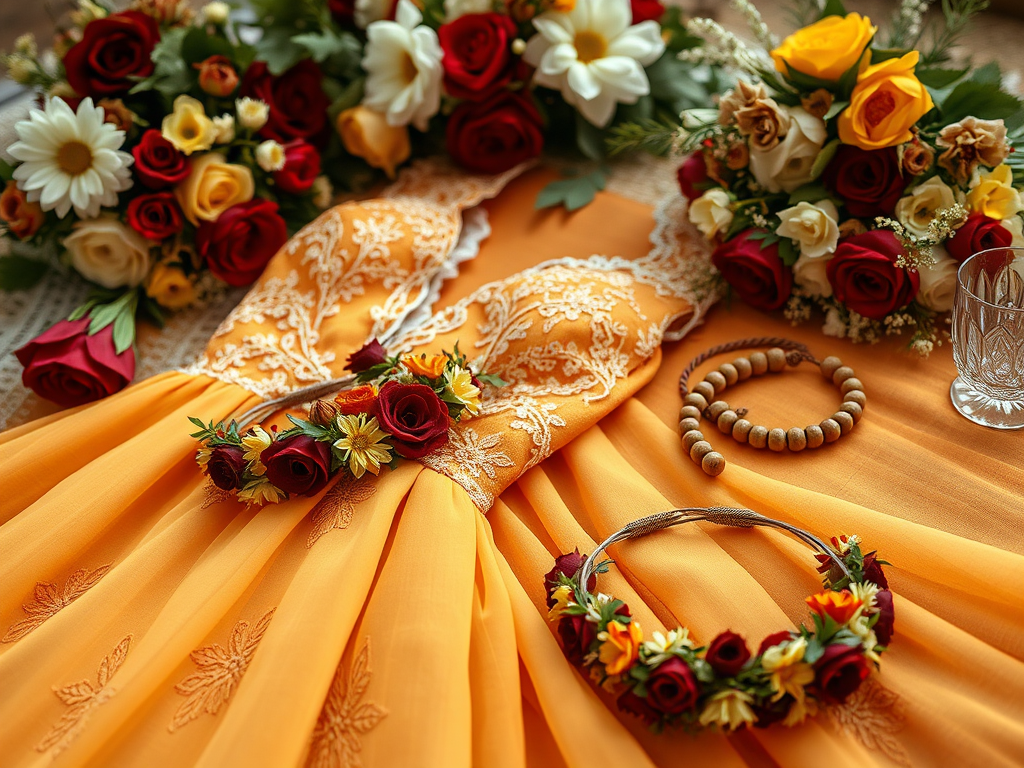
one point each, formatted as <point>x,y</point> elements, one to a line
<point>49,600</point>
<point>335,509</point>
<point>214,495</point>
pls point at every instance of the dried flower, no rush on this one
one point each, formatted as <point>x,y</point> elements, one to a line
<point>763,122</point>
<point>852,227</point>
<point>969,143</point>
<point>743,95</point>
<point>323,412</point>
<point>817,103</point>
<point>917,157</point>
<point>116,113</point>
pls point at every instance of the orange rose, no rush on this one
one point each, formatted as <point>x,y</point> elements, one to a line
<point>22,218</point>
<point>620,646</point>
<point>886,103</point>
<point>839,606</point>
<point>431,366</point>
<point>217,76</point>
<point>357,400</point>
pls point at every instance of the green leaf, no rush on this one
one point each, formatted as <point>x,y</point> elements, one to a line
<point>808,193</point>
<point>18,273</point>
<point>671,83</point>
<point>837,107</point>
<point>325,44</point>
<point>884,54</point>
<point>279,51</point>
<point>6,171</point>
<point>978,100</point>
<point>171,75</point>
<point>824,158</point>
<point>814,650</point>
<point>197,46</point>
<point>491,379</point>
<point>808,83</point>
<point>787,252</point>
<point>833,8</point>
<point>124,331</point>
<point>589,138</point>
<point>572,193</point>
<point>936,77</point>
<point>990,74</point>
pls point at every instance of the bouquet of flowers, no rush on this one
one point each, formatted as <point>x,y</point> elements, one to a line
<point>853,175</point>
<point>156,169</point>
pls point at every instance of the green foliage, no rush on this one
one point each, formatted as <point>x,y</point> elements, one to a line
<point>327,44</point>
<point>672,84</point>
<point>824,158</point>
<point>491,379</point>
<point>574,192</point>
<point>653,135</point>
<point>217,434</point>
<point>981,100</point>
<point>19,273</point>
<point>589,138</point>
<point>957,16</point>
<point>197,46</point>
<point>121,313</point>
<point>279,50</point>
<point>833,8</point>
<point>937,77</point>
<point>6,171</point>
<point>171,75</point>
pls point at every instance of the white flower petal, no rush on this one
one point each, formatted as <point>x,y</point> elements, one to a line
<point>55,190</point>
<point>408,15</point>
<point>554,28</point>
<point>623,74</point>
<point>583,82</point>
<point>609,17</point>
<point>598,111</point>
<point>641,42</point>
<point>558,59</point>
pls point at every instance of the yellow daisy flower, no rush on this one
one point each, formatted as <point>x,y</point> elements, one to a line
<point>203,456</point>
<point>563,599</point>
<point>729,709</point>
<point>255,443</point>
<point>789,672</point>
<point>362,445</point>
<point>460,384</point>
<point>260,491</point>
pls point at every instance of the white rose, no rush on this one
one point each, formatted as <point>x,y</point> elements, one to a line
<point>938,282</point>
<point>1016,228</point>
<point>108,253</point>
<point>368,11</point>
<point>455,8</point>
<point>788,165</point>
<point>811,275</point>
<point>814,227</point>
<point>711,212</point>
<point>916,210</point>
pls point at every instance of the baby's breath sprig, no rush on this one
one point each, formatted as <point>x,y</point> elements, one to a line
<point>756,24</point>
<point>917,251</point>
<point>907,23</point>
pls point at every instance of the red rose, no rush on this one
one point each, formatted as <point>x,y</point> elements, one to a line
<point>111,52</point>
<point>757,274</point>
<point>415,418</point>
<point>979,233</point>
<point>647,10</point>
<point>839,672</point>
<point>672,687</point>
<point>477,57</point>
<point>367,356</point>
<point>297,102</point>
<point>342,10</point>
<point>497,134</point>
<point>68,366</point>
<point>639,706</point>
<point>727,654</point>
<point>238,245</point>
<point>157,163</point>
<point>691,173</point>
<point>864,275</point>
<point>225,467</point>
<point>868,181</point>
<point>873,571</point>
<point>777,639</point>
<point>156,216</point>
<point>301,167</point>
<point>577,635</point>
<point>887,617</point>
<point>298,464</point>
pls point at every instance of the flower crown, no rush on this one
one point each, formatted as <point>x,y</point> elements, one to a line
<point>669,681</point>
<point>395,407</point>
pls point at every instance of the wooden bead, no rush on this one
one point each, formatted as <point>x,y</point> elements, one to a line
<point>697,401</point>
<point>726,420</point>
<point>740,430</point>
<point>758,436</point>
<point>777,440</point>
<point>776,359</point>
<point>743,368</point>
<point>855,396</point>
<point>706,390</point>
<point>713,463</point>
<point>844,420</point>
<point>759,362</point>
<point>688,425</point>
<point>691,438</point>
<point>716,409</point>
<point>831,429</point>
<point>796,439</point>
<point>689,412</point>
<point>717,380</point>
<point>842,374</point>
<point>853,409</point>
<point>815,437</point>
<point>700,449</point>
<point>729,371</point>
<point>851,384</point>
<point>830,365</point>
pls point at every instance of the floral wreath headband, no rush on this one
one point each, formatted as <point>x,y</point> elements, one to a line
<point>669,681</point>
<point>391,407</point>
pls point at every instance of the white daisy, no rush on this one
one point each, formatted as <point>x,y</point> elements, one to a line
<point>403,66</point>
<point>595,56</point>
<point>70,159</point>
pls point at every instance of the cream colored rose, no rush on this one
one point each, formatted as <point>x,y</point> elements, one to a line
<point>810,274</point>
<point>788,165</point>
<point>938,282</point>
<point>107,252</point>
<point>711,213</point>
<point>916,210</point>
<point>1016,228</point>
<point>815,228</point>
<point>213,186</point>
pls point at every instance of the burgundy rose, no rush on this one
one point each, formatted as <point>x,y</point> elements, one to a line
<point>839,672</point>
<point>769,712</point>
<point>298,464</point>
<point>111,52</point>
<point>415,418</point>
<point>691,173</point>
<point>864,275</point>
<point>497,134</point>
<point>647,10</point>
<point>727,654</point>
<point>367,356</point>
<point>226,466</point>
<point>979,233</point>
<point>638,706</point>
<point>672,687</point>
<point>477,54</point>
<point>156,216</point>
<point>873,571</point>
<point>68,366</point>
<point>772,640</point>
<point>157,163</point>
<point>342,10</point>
<point>868,181</point>
<point>886,618</point>
<point>296,98</point>
<point>567,564</point>
<point>238,245</point>
<point>577,635</point>
<point>757,274</point>
<point>301,167</point>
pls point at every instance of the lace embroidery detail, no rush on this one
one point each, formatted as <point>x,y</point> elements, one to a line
<point>81,699</point>
<point>49,601</point>
<point>219,672</point>
<point>874,715</point>
<point>441,182</point>
<point>214,495</point>
<point>335,509</point>
<point>345,718</point>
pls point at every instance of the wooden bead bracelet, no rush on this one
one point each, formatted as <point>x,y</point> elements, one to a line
<point>702,401</point>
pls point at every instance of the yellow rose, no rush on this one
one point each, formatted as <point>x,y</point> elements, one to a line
<point>886,103</point>
<point>827,48</point>
<point>170,287</point>
<point>992,194</point>
<point>431,366</point>
<point>213,186</point>
<point>366,134</point>
<point>188,128</point>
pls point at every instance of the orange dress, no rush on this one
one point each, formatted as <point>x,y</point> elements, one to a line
<point>399,620</point>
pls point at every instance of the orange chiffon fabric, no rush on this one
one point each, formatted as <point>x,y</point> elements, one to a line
<point>392,623</point>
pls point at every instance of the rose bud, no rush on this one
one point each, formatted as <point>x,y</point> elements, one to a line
<point>369,355</point>
<point>299,464</point>
<point>886,617</point>
<point>323,412</point>
<point>577,635</point>
<point>727,654</point>
<point>217,76</point>
<point>567,564</point>
<point>873,571</point>
<point>226,467</point>
<point>23,219</point>
<point>301,168</point>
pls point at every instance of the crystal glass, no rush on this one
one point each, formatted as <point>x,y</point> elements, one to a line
<point>988,338</point>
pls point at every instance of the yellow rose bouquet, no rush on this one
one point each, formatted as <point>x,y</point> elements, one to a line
<point>850,170</point>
